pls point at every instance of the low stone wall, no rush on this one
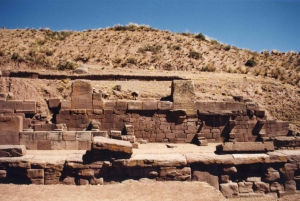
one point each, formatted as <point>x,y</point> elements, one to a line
<point>59,140</point>
<point>235,175</point>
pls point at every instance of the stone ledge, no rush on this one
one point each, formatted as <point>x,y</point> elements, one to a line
<point>12,150</point>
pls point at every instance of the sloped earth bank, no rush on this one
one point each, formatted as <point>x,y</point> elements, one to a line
<point>144,190</point>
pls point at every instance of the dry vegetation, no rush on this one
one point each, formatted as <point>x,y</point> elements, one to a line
<point>270,78</point>
<point>139,47</point>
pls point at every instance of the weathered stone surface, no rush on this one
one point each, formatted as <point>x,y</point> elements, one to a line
<point>225,178</point>
<point>253,179</point>
<point>272,175</point>
<point>83,182</point>
<point>245,187</point>
<point>153,160</point>
<point>97,181</point>
<point>35,173</point>
<point>68,181</point>
<point>230,170</point>
<point>183,91</point>
<point>102,143</point>
<point>276,187</point>
<point>261,187</point>
<point>54,102</point>
<point>88,173</point>
<point>81,95</point>
<point>3,174</point>
<point>229,189</point>
<point>10,126</point>
<point>149,105</point>
<point>205,176</point>
<point>237,147</point>
<point>290,186</point>
<point>208,158</point>
<point>250,158</point>
<point>135,105</point>
<point>173,173</point>
<point>12,150</point>
<point>165,105</point>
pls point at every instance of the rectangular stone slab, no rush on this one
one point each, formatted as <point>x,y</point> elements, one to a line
<point>102,143</point>
<point>12,150</point>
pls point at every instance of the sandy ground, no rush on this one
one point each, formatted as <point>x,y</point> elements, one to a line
<point>125,191</point>
<point>128,190</point>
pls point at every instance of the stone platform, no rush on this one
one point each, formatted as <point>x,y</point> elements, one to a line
<point>235,175</point>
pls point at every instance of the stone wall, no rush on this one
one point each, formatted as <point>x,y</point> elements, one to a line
<point>235,175</point>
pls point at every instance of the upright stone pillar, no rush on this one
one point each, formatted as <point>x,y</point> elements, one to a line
<point>183,95</point>
<point>81,95</point>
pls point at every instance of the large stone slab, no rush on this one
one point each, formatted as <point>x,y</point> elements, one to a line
<point>243,159</point>
<point>240,147</point>
<point>208,158</point>
<point>10,126</point>
<point>12,150</point>
<point>81,95</point>
<point>103,148</point>
<point>153,160</point>
<point>183,91</point>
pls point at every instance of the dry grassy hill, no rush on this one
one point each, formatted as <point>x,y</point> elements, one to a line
<point>270,78</point>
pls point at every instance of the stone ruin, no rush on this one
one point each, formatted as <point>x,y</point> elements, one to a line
<point>252,158</point>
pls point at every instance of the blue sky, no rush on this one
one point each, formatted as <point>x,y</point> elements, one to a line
<point>252,24</point>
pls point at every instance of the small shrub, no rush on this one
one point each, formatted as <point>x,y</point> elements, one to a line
<point>131,60</point>
<point>66,65</point>
<point>16,57</point>
<point>214,42</point>
<point>200,36</point>
<point>49,52</point>
<point>227,47</point>
<point>251,62</point>
<point>60,89</point>
<point>176,47</point>
<point>58,35</point>
<point>195,55</point>
<point>208,69</point>
<point>150,48</point>
<point>82,57</point>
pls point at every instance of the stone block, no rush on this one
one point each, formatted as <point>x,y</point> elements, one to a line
<point>81,97</point>
<point>261,187</point>
<point>69,181</point>
<point>97,96</point>
<point>109,104</point>
<point>183,91</point>
<point>121,105</point>
<point>101,143</point>
<point>44,145</point>
<point>229,190</point>
<point>205,176</point>
<point>35,173</point>
<point>115,134</point>
<point>149,105</point>
<point>290,186</point>
<point>3,174</point>
<point>272,175</point>
<point>69,145</point>
<point>245,187</point>
<point>12,150</point>
<point>84,145</point>
<point>276,187</point>
<point>83,136</point>
<point>10,126</point>
<point>246,147</point>
<point>99,133</point>
<point>54,136</point>
<point>54,103</point>
<point>165,105</point>
<point>68,135</point>
<point>135,105</point>
<point>65,105</point>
